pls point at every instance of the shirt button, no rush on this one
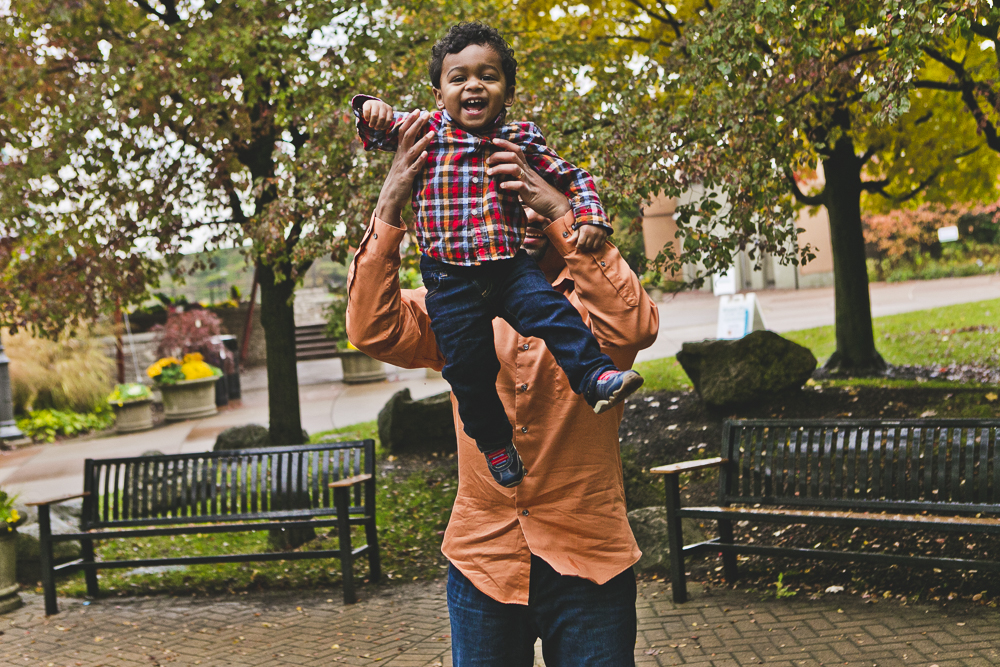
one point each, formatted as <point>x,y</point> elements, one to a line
<point>375,235</point>
<point>475,179</point>
<point>565,234</point>
<point>524,347</point>
<point>524,387</point>
<point>603,264</point>
<point>524,512</point>
<point>524,429</point>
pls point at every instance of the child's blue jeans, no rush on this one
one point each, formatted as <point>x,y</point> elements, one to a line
<point>462,302</point>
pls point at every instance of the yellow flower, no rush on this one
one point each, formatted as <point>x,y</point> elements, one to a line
<point>14,517</point>
<point>157,368</point>
<point>194,356</point>
<point>194,370</point>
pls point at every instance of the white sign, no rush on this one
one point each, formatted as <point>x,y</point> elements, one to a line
<point>739,314</point>
<point>724,283</point>
<point>947,234</point>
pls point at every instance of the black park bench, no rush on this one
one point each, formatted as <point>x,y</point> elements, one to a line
<point>308,486</point>
<point>939,475</point>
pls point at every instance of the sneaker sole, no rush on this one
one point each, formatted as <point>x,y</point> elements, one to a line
<point>630,384</point>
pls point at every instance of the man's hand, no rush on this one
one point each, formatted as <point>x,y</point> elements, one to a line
<point>411,156</point>
<point>535,191</point>
<point>590,238</point>
<point>377,114</point>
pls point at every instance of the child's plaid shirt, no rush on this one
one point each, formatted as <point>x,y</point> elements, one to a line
<point>463,216</point>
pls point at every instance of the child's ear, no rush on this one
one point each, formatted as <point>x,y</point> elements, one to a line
<point>438,98</point>
<point>509,97</point>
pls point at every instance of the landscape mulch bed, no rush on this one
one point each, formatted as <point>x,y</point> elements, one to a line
<point>668,427</point>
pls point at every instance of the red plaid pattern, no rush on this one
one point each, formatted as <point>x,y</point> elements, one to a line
<point>463,216</point>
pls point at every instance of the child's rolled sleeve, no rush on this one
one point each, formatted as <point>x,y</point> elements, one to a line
<point>383,140</point>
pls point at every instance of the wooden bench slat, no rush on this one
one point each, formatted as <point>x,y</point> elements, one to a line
<point>687,466</point>
<point>349,481</point>
<point>791,514</point>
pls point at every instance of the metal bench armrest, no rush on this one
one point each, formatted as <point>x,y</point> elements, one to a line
<point>56,501</point>
<point>350,481</point>
<point>688,466</point>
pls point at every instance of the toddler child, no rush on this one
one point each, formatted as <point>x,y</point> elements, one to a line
<point>470,231</point>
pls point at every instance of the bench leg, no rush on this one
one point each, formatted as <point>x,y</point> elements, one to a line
<point>46,560</point>
<point>675,539</point>
<point>374,561</point>
<point>728,557</point>
<point>343,502</point>
<point>87,554</point>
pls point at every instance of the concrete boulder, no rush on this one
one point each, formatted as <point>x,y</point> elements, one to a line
<point>754,368</point>
<point>406,426</point>
<point>649,525</point>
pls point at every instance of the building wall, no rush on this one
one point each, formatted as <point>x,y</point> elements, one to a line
<point>659,228</point>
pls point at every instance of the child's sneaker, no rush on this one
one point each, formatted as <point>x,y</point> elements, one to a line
<point>613,387</point>
<point>505,465</point>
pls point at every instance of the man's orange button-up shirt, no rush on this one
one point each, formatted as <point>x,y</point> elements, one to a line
<point>570,509</point>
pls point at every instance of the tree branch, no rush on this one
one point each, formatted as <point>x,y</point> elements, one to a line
<point>170,16</point>
<point>968,88</point>
<point>667,18</point>
<point>808,200</point>
<point>937,85</point>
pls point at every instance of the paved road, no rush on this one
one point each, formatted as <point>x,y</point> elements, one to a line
<point>42,472</point>
<point>407,626</point>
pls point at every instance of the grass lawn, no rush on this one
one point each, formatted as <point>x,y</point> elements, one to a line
<point>968,333</point>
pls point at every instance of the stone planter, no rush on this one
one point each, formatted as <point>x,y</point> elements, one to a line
<point>359,367</point>
<point>9,597</point>
<point>133,416</point>
<point>189,399</point>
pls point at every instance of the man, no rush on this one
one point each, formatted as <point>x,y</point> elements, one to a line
<point>551,558</point>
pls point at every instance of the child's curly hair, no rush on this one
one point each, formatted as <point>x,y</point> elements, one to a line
<point>462,35</point>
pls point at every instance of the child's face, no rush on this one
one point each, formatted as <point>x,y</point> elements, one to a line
<point>473,87</point>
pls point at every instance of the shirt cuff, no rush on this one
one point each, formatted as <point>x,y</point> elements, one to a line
<point>559,233</point>
<point>384,239</point>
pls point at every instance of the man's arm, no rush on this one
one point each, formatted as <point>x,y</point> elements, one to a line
<point>622,314</point>
<point>383,321</point>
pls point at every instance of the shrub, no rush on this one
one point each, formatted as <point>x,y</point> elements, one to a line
<point>47,424</point>
<point>71,373</point>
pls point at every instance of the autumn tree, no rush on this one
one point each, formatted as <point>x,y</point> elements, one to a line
<point>752,96</point>
<point>130,128</point>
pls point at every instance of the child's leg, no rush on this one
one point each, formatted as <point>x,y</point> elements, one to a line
<point>534,308</point>
<point>462,321</point>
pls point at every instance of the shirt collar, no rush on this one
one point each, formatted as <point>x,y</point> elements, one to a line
<point>497,124</point>
<point>564,281</point>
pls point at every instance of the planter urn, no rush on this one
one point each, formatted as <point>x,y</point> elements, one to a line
<point>359,368</point>
<point>10,599</point>
<point>133,416</point>
<point>189,399</point>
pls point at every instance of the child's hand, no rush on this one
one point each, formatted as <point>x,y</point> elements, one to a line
<point>590,238</point>
<point>377,114</point>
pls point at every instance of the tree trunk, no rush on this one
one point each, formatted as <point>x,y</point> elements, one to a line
<point>856,353</point>
<point>278,318</point>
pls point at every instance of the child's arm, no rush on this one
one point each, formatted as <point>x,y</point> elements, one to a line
<point>376,123</point>
<point>576,183</point>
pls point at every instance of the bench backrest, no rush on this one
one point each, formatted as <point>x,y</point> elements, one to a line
<point>938,465</point>
<point>231,485</point>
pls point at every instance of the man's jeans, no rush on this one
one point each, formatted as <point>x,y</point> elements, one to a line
<point>581,623</point>
<point>462,302</point>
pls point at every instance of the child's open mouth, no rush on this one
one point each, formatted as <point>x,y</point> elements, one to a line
<point>474,107</point>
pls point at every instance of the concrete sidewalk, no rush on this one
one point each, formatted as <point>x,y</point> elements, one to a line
<point>407,626</point>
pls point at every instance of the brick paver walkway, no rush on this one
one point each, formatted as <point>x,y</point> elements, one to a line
<point>407,626</point>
